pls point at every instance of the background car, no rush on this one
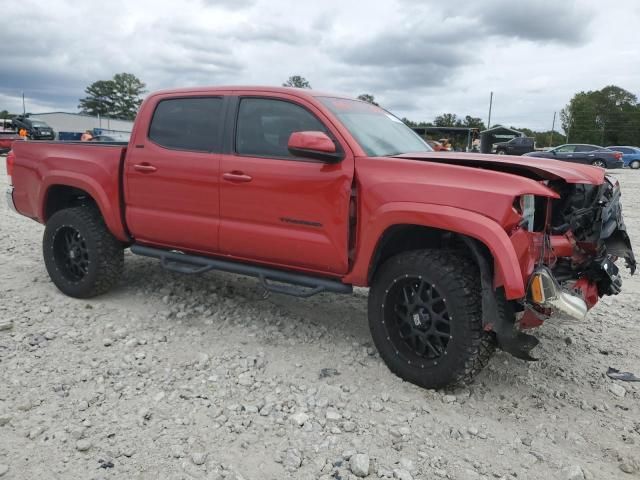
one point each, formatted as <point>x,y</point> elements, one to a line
<point>36,129</point>
<point>630,155</point>
<point>515,146</point>
<point>103,138</point>
<point>583,153</point>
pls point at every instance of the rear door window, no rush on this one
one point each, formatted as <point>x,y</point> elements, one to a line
<point>585,148</point>
<point>623,150</point>
<point>193,124</point>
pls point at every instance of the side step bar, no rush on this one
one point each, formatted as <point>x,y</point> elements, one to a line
<point>298,285</point>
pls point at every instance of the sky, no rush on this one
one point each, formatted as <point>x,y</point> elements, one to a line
<point>418,58</point>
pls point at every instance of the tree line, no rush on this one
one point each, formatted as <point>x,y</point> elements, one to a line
<point>610,116</point>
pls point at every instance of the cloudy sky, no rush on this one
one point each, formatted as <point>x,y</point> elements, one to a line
<point>419,58</point>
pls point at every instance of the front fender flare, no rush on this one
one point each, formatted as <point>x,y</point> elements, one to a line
<point>506,266</point>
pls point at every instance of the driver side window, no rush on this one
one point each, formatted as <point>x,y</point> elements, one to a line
<point>265,125</point>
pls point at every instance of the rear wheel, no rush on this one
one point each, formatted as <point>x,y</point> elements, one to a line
<point>426,320</point>
<point>501,152</point>
<point>82,258</point>
<point>635,164</point>
<point>599,163</point>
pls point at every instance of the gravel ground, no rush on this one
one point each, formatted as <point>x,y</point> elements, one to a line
<point>180,377</point>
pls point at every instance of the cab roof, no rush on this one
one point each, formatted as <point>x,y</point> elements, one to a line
<point>298,92</point>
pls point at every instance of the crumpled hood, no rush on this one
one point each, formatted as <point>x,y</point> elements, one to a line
<point>531,167</point>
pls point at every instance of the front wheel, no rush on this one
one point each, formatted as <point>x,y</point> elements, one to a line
<point>82,257</point>
<point>425,318</point>
<point>599,163</point>
<point>501,152</point>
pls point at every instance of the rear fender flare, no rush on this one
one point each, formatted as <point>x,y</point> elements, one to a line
<point>110,213</point>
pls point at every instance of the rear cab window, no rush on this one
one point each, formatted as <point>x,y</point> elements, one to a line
<point>192,124</point>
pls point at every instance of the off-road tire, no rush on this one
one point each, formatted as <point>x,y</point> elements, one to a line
<point>457,278</point>
<point>104,253</point>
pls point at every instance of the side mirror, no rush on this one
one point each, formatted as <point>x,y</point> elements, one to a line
<point>553,151</point>
<point>316,145</point>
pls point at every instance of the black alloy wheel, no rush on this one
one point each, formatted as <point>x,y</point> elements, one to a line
<point>417,319</point>
<point>70,253</point>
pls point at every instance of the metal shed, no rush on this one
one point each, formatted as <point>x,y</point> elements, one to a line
<point>496,134</point>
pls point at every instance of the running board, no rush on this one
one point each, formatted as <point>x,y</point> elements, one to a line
<point>297,285</point>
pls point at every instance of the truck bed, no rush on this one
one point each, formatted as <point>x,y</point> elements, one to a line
<point>92,167</point>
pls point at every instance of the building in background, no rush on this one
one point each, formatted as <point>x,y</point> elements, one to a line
<point>69,126</point>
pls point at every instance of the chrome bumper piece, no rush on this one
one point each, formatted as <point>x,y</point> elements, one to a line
<point>550,295</point>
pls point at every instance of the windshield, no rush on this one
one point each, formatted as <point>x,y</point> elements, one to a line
<point>377,131</point>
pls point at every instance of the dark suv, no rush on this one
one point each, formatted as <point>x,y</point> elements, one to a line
<point>36,129</point>
<point>515,146</point>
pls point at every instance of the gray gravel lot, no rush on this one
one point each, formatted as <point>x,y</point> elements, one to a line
<point>180,377</point>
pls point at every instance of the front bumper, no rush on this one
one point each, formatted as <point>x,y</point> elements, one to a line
<point>9,197</point>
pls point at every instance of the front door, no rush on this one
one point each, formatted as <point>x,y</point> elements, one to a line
<point>565,152</point>
<point>276,208</point>
<point>172,175</point>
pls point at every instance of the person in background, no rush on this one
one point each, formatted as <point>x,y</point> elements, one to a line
<point>87,136</point>
<point>23,133</point>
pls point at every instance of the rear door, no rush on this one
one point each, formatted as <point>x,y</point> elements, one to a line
<point>584,154</point>
<point>276,208</point>
<point>172,174</point>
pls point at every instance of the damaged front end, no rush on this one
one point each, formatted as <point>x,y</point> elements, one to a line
<point>590,217</point>
<point>568,248</point>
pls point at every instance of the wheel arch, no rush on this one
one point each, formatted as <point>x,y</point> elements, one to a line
<point>58,193</point>
<point>405,226</point>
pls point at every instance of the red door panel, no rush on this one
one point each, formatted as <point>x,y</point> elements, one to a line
<point>291,213</point>
<point>177,204</point>
<point>171,176</point>
<point>278,209</point>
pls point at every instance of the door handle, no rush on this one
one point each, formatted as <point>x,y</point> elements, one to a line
<point>144,167</point>
<point>237,177</point>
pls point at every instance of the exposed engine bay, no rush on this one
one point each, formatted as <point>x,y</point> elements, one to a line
<point>593,216</point>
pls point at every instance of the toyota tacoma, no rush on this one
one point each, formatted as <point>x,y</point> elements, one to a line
<point>311,192</point>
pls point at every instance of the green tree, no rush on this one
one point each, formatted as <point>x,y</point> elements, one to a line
<point>602,117</point>
<point>446,120</point>
<point>472,122</point>
<point>366,97</point>
<point>5,114</point>
<point>409,123</point>
<point>119,97</point>
<point>296,81</point>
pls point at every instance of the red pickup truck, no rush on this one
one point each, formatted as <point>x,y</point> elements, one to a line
<point>311,192</point>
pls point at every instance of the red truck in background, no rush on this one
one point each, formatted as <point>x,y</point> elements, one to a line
<point>310,193</point>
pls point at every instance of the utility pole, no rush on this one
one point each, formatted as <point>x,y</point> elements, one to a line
<point>490,105</point>
<point>24,109</point>
<point>553,125</point>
